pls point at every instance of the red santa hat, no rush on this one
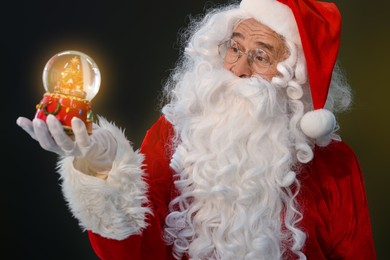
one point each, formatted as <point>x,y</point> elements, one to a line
<point>315,26</point>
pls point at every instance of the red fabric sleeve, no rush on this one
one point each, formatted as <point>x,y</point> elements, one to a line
<point>335,209</point>
<point>149,245</point>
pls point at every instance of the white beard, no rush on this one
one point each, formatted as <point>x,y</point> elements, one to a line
<point>233,163</point>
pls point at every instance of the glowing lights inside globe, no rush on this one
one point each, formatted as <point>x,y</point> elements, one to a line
<point>72,73</point>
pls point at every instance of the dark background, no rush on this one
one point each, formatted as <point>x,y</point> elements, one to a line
<point>135,45</point>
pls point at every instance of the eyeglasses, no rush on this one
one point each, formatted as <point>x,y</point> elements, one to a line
<point>258,58</point>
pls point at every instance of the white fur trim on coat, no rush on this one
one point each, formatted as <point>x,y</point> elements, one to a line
<point>113,208</point>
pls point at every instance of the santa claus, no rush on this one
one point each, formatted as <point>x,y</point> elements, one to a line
<point>244,162</point>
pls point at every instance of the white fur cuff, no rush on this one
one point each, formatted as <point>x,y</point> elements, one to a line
<point>115,207</point>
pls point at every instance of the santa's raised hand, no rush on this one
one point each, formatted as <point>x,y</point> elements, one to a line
<point>98,148</point>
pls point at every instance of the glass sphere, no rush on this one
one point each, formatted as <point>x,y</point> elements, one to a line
<point>72,73</point>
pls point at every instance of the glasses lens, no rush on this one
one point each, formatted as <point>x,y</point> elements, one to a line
<point>258,58</point>
<point>261,60</point>
<point>229,51</point>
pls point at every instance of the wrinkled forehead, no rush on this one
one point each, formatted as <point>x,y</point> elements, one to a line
<point>253,33</point>
<point>251,28</point>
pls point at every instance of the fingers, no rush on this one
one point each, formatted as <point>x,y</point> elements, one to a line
<point>44,137</point>
<point>27,126</point>
<point>80,132</point>
<point>57,132</point>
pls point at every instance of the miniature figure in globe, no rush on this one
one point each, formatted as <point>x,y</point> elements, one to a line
<point>71,79</point>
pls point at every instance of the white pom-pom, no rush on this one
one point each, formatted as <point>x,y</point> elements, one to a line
<point>318,123</point>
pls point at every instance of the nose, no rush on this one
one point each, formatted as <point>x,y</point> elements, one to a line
<point>241,68</point>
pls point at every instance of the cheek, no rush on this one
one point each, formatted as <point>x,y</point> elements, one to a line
<point>272,72</point>
<point>227,66</point>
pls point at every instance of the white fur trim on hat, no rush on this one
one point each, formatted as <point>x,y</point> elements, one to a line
<point>275,15</point>
<point>318,123</point>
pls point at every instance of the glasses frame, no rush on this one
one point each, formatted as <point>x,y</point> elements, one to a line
<point>224,47</point>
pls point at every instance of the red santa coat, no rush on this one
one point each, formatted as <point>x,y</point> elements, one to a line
<point>333,198</point>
